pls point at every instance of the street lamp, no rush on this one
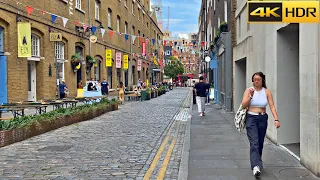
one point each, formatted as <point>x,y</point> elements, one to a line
<point>207,59</point>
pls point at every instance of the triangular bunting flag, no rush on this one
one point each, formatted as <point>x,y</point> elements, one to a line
<point>77,22</point>
<point>102,31</point>
<point>64,20</point>
<point>153,41</point>
<point>120,33</point>
<point>93,29</point>
<point>53,18</point>
<point>140,38</point>
<point>126,37</point>
<point>29,10</point>
<point>147,40</point>
<point>165,42</point>
<point>84,27</point>
<point>133,38</point>
<point>110,34</point>
<point>43,12</point>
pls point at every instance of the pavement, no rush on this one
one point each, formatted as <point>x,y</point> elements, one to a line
<point>219,152</point>
<point>142,140</point>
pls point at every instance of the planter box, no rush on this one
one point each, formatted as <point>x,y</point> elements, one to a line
<point>8,137</point>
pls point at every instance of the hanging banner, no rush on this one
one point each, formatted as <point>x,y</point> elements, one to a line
<point>143,48</point>
<point>125,62</point>
<point>139,65</point>
<point>24,39</point>
<point>109,58</point>
<point>155,61</point>
<point>118,60</point>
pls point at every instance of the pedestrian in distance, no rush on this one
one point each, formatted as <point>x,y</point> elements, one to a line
<point>121,92</point>
<point>200,90</point>
<point>255,100</point>
<point>208,94</point>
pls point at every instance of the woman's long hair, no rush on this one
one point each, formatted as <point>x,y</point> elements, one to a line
<point>263,77</point>
<point>121,85</point>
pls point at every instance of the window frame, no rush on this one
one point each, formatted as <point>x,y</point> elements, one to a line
<point>109,18</point>
<point>37,41</point>
<point>79,4</point>
<point>97,10</point>
<point>118,23</point>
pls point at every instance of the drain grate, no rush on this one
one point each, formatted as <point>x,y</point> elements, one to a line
<point>295,172</point>
<point>55,148</point>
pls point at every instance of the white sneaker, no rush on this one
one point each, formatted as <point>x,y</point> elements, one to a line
<point>256,171</point>
<point>201,114</point>
<point>208,104</point>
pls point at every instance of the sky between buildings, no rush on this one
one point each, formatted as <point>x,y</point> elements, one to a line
<point>183,16</point>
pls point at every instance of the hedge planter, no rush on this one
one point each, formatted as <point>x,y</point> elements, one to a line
<point>8,137</point>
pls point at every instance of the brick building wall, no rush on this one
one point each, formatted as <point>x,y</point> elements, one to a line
<point>17,68</point>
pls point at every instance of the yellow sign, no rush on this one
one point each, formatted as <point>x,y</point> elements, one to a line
<point>109,58</point>
<point>155,60</point>
<point>125,61</point>
<point>283,12</point>
<point>24,39</point>
<point>55,37</point>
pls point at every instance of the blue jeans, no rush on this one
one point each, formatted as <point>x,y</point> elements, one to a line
<point>256,126</point>
<point>207,97</point>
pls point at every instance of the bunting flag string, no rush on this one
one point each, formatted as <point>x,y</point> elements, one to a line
<point>65,20</point>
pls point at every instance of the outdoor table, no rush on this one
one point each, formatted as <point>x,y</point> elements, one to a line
<point>71,103</point>
<point>18,110</point>
<point>55,105</point>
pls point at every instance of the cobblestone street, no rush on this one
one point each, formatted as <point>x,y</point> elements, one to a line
<point>140,140</point>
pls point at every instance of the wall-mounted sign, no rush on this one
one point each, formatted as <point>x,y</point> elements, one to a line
<point>55,37</point>
<point>109,58</point>
<point>139,65</point>
<point>125,62</point>
<point>144,49</point>
<point>24,39</point>
<point>93,39</point>
<point>118,60</point>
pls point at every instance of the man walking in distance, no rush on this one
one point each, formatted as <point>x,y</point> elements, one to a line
<point>201,89</point>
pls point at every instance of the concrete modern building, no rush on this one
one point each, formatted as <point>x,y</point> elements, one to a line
<point>36,77</point>
<point>289,56</point>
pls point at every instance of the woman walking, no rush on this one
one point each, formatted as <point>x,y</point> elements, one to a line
<point>121,92</point>
<point>255,99</point>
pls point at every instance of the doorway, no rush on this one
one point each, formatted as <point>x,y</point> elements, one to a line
<point>32,84</point>
<point>240,79</point>
<point>288,93</point>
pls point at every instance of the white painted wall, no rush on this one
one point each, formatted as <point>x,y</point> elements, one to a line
<point>309,96</point>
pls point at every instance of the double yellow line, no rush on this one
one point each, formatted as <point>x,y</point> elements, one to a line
<point>158,156</point>
<point>163,169</point>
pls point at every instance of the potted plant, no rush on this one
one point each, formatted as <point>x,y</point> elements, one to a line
<point>90,61</point>
<point>76,61</point>
<point>148,90</point>
<point>223,27</point>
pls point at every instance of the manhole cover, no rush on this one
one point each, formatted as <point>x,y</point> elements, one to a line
<point>294,172</point>
<point>55,148</point>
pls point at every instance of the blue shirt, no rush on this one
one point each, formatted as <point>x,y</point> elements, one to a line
<point>61,88</point>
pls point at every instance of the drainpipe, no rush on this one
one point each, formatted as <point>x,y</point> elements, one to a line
<point>130,75</point>
<point>89,23</point>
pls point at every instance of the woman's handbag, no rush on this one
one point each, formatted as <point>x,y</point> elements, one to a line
<point>240,118</point>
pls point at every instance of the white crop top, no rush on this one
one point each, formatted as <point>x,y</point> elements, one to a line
<point>259,99</point>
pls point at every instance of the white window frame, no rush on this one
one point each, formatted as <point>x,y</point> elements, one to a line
<point>225,11</point>
<point>78,4</point>
<point>35,45</point>
<point>59,50</point>
<point>97,10</point>
<point>126,3</point>
<point>132,7</point>
<point>118,23</point>
<point>109,18</point>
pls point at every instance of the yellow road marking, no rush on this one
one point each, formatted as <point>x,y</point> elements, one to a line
<point>158,155</point>
<point>165,163</point>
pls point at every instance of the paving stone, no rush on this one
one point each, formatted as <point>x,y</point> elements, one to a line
<point>116,145</point>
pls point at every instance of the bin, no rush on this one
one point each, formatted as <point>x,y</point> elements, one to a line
<point>143,95</point>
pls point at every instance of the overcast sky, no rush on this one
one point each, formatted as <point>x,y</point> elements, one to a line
<point>183,16</point>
